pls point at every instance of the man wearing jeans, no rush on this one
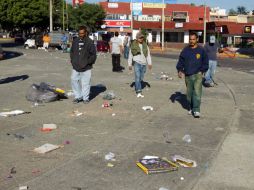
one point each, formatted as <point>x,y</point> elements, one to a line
<point>193,63</point>
<point>211,49</point>
<point>116,48</point>
<point>139,55</point>
<point>83,56</point>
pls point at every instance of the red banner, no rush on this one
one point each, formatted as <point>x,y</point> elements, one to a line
<point>118,23</point>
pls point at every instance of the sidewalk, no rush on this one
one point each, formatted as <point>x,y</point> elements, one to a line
<point>131,134</point>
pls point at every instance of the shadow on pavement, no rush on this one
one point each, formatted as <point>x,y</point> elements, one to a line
<point>96,90</point>
<point>181,98</point>
<point>143,84</point>
<point>13,79</point>
<point>11,54</point>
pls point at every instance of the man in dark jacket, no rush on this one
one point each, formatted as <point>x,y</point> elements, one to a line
<point>83,56</point>
<point>193,63</point>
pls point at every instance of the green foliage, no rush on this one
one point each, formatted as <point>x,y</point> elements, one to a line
<point>242,10</point>
<point>23,14</point>
<point>91,15</point>
<point>232,12</point>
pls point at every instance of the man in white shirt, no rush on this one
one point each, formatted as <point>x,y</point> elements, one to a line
<point>139,56</point>
<point>116,48</point>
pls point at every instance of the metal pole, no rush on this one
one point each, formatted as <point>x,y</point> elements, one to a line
<point>50,16</point>
<point>67,17</point>
<point>131,21</point>
<point>204,36</point>
<point>63,15</point>
<point>162,26</point>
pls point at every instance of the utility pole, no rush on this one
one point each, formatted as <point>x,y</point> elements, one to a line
<point>204,35</point>
<point>131,20</point>
<point>67,16</point>
<point>63,16</point>
<point>162,26</point>
<point>50,16</point>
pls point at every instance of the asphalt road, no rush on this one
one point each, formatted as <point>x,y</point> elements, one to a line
<point>240,64</point>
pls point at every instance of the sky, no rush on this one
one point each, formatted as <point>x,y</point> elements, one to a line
<point>223,4</point>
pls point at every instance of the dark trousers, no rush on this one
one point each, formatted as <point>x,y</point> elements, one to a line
<point>116,62</point>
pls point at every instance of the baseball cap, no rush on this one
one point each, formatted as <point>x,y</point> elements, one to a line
<point>139,35</point>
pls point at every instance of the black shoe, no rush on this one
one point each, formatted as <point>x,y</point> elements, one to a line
<point>77,100</point>
<point>85,101</point>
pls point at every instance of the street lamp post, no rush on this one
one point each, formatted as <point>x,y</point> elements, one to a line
<point>63,15</point>
<point>204,36</point>
<point>50,16</point>
<point>162,26</point>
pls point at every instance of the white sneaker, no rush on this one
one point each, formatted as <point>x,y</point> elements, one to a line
<point>190,112</point>
<point>196,114</point>
<point>139,95</point>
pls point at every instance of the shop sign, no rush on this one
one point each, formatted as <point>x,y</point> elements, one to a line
<point>136,8</point>
<point>180,15</point>
<point>118,23</point>
<point>154,5</point>
<point>153,18</point>
<point>179,25</point>
<point>113,5</point>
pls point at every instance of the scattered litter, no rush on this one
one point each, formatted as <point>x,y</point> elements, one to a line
<point>49,126</point>
<point>13,113</point>
<point>96,152</point>
<point>13,170</point>
<point>110,156</point>
<point>187,163</point>
<point>219,129</point>
<point>109,95</point>
<point>46,148</point>
<point>113,114</point>
<point>67,142</point>
<point>106,104</point>
<point>182,178</point>
<point>23,187</point>
<point>187,138</point>
<point>70,94</point>
<point>147,108</point>
<point>77,113</point>
<point>77,188</point>
<point>166,135</point>
<point>110,165</point>
<point>163,188</point>
<point>19,136</point>
<point>44,93</point>
<point>36,171</point>
<point>154,164</point>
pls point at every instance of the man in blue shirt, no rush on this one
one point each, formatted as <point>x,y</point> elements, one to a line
<point>192,64</point>
<point>211,49</point>
<point>64,40</point>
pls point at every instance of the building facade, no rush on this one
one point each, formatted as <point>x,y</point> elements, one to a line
<point>179,20</point>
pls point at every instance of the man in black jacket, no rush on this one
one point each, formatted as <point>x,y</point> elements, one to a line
<point>83,56</point>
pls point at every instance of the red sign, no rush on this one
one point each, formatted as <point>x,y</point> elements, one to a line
<point>77,2</point>
<point>118,23</point>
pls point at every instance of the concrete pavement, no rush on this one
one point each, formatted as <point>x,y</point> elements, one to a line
<point>222,135</point>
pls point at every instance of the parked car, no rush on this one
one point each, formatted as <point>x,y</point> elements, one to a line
<point>102,46</point>
<point>19,38</point>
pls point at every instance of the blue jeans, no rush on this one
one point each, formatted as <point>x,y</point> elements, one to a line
<point>126,52</point>
<point>81,83</point>
<point>211,71</point>
<point>139,76</point>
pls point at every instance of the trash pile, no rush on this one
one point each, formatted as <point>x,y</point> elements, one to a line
<point>44,93</point>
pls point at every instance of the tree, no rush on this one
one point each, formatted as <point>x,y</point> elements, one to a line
<point>91,15</point>
<point>232,12</point>
<point>241,10</point>
<point>23,14</point>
